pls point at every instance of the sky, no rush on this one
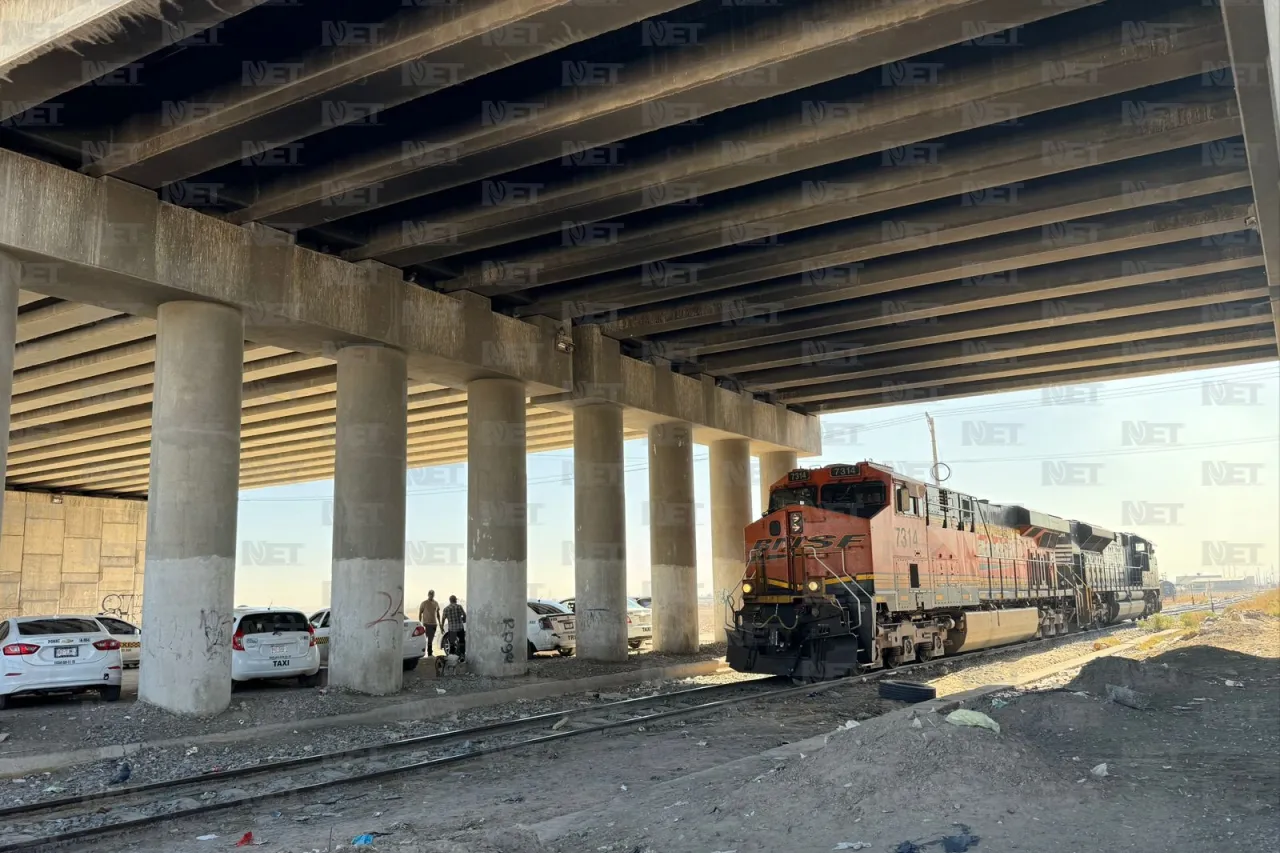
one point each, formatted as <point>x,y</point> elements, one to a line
<point>1190,461</point>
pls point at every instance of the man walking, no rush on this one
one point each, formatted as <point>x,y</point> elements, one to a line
<point>429,616</point>
<point>456,618</point>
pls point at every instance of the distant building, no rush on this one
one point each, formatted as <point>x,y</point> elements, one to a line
<point>1198,584</point>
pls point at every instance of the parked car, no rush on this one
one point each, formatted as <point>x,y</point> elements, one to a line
<point>645,601</point>
<point>274,642</point>
<point>639,621</point>
<point>57,654</point>
<point>552,627</point>
<point>129,635</point>
<point>415,639</point>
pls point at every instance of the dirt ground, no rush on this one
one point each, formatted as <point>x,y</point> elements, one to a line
<point>1194,770</point>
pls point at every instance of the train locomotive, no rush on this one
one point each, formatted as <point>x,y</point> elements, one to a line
<point>855,567</point>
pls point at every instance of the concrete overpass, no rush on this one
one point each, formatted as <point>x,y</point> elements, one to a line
<point>257,243</point>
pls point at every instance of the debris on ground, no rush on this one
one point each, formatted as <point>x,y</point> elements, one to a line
<point>1100,771</point>
<point>977,719</point>
<point>1128,697</point>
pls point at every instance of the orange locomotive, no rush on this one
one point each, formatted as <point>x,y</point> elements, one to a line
<point>855,566</point>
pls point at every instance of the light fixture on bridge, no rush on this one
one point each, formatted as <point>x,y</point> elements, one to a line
<point>564,338</point>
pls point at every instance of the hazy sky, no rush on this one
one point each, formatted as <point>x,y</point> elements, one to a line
<point>1192,461</point>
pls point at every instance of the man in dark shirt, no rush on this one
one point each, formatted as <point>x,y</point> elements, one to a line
<point>456,618</point>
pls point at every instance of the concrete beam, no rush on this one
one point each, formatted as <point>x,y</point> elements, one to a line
<point>1207,291</point>
<point>1257,82</point>
<point>292,298</point>
<point>1046,145</point>
<point>778,54</point>
<point>421,50</point>
<point>1005,256</point>
<point>101,335</point>
<point>1176,349</point>
<point>58,317</point>
<point>1013,349</point>
<point>1060,386</point>
<point>33,28</point>
<point>1045,203</point>
<point>113,60</point>
<point>1136,267</point>
<point>1008,87</point>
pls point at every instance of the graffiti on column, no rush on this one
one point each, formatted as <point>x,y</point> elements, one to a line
<point>395,608</point>
<point>509,640</point>
<point>215,627</point>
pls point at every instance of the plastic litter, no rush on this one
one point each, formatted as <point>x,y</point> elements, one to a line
<point>365,840</point>
<point>908,847</point>
<point>441,691</point>
<point>193,750</point>
<point>560,724</point>
<point>4,736</point>
<point>1100,771</point>
<point>959,842</point>
<point>852,845</point>
<point>916,724</point>
<point>998,703</point>
<point>208,837</point>
<point>977,719</point>
<point>1231,683</point>
<point>54,789</point>
<point>123,772</point>
<point>245,840</point>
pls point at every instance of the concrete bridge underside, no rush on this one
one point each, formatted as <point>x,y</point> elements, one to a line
<point>552,222</point>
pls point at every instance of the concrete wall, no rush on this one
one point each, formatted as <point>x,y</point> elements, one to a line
<point>68,557</point>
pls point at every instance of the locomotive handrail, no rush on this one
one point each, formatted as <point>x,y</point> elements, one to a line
<point>814,553</point>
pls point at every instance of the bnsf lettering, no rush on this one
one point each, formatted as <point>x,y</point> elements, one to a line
<point>823,541</point>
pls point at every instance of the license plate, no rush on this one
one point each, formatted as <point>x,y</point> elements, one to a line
<point>67,652</point>
<point>279,651</point>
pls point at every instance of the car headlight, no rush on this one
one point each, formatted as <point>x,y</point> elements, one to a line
<point>746,588</point>
<point>813,586</point>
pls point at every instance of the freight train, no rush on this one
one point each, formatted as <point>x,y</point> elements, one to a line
<point>854,567</point>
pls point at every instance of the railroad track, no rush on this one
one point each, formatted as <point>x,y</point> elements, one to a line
<point>99,813</point>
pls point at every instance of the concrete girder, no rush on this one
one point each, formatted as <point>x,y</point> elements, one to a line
<point>974,261</point>
<point>26,297</point>
<point>58,317</point>
<point>959,99</point>
<point>1093,275</point>
<point>908,381</point>
<point>853,189</point>
<point>39,391</point>
<point>830,40</point>
<point>101,335</point>
<point>267,386</point>
<point>1013,348</point>
<point>324,470</point>
<point>1049,380</point>
<point>1207,291</point>
<point>59,71</point>
<point>1257,84</point>
<point>1112,188</point>
<point>307,302</point>
<point>423,49</point>
<point>34,29</point>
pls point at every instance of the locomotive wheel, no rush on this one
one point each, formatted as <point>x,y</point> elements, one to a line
<point>907,691</point>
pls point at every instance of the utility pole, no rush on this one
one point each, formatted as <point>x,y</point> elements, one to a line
<point>933,442</point>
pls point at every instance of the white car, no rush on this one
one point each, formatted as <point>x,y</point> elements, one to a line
<point>415,639</point>
<point>552,627</point>
<point>129,635</point>
<point>639,622</point>
<point>274,642</point>
<point>57,654</point>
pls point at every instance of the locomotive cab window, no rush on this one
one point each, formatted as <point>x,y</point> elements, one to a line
<point>901,499</point>
<point>783,498</point>
<point>862,500</point>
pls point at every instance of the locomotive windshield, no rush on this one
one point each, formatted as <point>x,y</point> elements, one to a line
<point>801,496</point>
<point>862,500</point>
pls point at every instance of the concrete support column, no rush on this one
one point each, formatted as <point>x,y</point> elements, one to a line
<point>773,467</point>
<point>189,579</point>
<point>600,533</point>
<point>497,538</point>
<point>367,635</point>
<point>730,514</point>
<point>672,540</point>
<point>10,280</point>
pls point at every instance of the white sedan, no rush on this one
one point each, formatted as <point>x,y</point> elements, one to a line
<point>415,639</point>
<point>57,654</point>
<point>552,627</point>
<point>129,635</point>
<point>639,622</point>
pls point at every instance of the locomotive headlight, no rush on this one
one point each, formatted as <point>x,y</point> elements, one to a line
<point>746,589</point>
<point>797,522</point>
<point>813,586</point>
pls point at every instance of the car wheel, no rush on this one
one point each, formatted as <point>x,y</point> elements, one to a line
<point>110,694</point>
<point>312,680</point>
<point>907,691</point>
<point>533,650</point>
<point>410,664</point>
<point>635,644</point>
<point>4,700</point>
<point>564,653</point>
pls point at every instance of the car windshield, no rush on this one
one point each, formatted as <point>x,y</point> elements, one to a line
<point>544,609</point>
<point>37,627</point>
<point>270,623</point>
<point>632,604</point>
